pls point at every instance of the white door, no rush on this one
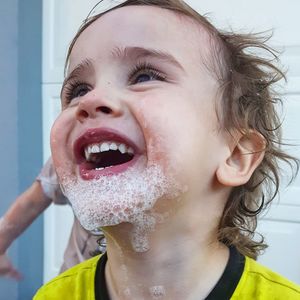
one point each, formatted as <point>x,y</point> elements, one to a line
<point>282,225</point>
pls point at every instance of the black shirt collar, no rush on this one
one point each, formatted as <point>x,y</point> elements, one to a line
<point>230,278</point>
<point>223,290</point>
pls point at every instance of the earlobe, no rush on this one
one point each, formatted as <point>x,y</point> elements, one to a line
<point>245,154</point>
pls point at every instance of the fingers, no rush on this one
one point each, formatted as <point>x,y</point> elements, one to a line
<point>11,273</point>
<point>14,274</point>
<point>7,269</point>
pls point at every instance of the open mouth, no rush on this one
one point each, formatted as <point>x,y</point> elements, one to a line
<point>107,154</point>
<point>102,152</point>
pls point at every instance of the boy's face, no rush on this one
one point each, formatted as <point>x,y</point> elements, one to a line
<point>137,77</point>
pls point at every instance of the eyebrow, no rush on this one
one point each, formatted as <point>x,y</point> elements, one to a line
<point>86,64</point>
<point>135,53</point>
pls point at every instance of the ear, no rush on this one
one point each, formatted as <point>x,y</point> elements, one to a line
<point>246,151</point>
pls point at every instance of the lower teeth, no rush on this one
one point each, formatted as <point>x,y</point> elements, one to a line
<point>99,169</point>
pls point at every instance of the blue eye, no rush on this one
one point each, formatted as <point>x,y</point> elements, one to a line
<point>80,90</point>
<point>144,77</point>
<point>75,89</point>
<point>144,73</point>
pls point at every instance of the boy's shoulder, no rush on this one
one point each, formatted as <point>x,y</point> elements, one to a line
<point>75,283</point>
<point>259,282</point>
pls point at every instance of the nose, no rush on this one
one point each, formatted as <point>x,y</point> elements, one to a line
<point>92,105</point>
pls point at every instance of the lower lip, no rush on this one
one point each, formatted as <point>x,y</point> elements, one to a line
<point>88,174</point>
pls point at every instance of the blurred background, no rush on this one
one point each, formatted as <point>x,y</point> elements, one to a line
<point>34,36</point>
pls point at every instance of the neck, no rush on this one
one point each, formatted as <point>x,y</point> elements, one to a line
<point>183,261</point>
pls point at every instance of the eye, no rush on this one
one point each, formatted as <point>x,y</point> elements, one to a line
<point>74,90</point>
<point>145,72</point>
<point>144,77</point>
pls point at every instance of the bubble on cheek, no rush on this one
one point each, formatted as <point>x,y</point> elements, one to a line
<point>157,292</point>
<point>126,197</point>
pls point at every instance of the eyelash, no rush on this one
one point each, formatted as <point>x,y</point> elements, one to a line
<point>146,68</point>
<point>72,88</point>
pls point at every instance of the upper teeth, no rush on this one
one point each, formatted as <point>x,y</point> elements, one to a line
<point>106,146</point>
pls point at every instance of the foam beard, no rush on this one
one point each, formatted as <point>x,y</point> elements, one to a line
<point>125,197</point>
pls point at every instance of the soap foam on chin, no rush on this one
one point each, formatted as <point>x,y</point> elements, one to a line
<point>125,197</point>
<point>157,292</point>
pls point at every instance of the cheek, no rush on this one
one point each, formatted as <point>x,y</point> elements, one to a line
<point>186,142</point>
<point>162,132</point>
<point>179,132</point>
<point>59,139</point>
<point>54,135</point>
<point>55,144</point>
<point>150,119</point>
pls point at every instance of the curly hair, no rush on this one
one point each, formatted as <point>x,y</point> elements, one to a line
<point>248,104</point>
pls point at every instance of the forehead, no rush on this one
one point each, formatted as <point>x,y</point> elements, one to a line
<point>142,26</point>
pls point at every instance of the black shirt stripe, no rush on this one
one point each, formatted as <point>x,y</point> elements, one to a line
<point>223,290</point>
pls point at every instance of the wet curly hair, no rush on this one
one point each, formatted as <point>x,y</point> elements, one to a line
<point>248,104</point>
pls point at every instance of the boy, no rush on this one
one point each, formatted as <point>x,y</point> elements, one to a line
<point>27,207</point>
<point>167,132</point>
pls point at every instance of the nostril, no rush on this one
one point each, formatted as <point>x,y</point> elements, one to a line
<point>104,109</point>
<point>83,114</point>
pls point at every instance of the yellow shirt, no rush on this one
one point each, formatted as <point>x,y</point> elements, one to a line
<point>260,283</point>
<point>257,283</point>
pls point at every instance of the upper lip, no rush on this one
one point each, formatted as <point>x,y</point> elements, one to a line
<point>98,135</point>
